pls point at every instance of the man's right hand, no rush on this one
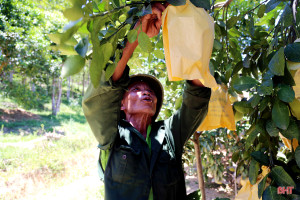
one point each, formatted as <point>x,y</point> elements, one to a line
<point>151,23</point>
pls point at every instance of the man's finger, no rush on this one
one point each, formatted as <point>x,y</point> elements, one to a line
<point>159,6</point>
<point>157,12</point>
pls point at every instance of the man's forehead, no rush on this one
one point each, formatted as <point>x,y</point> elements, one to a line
<point>139,83</point>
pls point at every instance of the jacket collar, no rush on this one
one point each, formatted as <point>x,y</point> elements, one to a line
<point>157,136</point>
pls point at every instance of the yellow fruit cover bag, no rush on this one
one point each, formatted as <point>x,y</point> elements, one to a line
<point>188,35</point>
<point>220,112</point>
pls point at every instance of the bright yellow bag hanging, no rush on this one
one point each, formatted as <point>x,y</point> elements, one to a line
<point>188,35</point>
<point>220,112</point>
<point>290,144</point>
<point>295,104</point>
<point>250,192</point>
<point>297,86</point>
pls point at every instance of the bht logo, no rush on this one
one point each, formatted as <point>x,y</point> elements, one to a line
<point>285,190</point>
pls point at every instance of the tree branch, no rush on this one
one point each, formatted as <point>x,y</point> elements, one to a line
<point>255,7</point>
<point>116,9</point>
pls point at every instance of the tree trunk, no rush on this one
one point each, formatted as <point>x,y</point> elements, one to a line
<point>83,79</point>
<point>24,80</point>
<point>56,95</point>
<point>72,80</point>
<point>69,89</point>
<point>58,99</point>
<point>88,81</point>
<point>11,76</point>
<point>32,86</point>
<point>53,97</point>
<point>199,164</point>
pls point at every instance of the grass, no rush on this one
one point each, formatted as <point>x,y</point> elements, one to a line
<point>24,151</point>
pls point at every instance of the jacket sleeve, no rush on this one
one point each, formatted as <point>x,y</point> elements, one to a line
<point>101,107</point>
<point>186,120</point>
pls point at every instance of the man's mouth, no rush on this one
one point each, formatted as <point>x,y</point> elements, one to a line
<point>147,99</point>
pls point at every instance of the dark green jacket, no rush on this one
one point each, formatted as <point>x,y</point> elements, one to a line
<point>131,169</point>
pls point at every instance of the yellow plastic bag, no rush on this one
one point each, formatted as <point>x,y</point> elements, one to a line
<point>220,112</point>
<point>250,192</point>
<point>188,35</point>
<point>295,108</point>
<point>288,143</point>
<point>296,88</point>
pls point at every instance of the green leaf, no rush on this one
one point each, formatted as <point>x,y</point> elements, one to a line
<point>159,54</point>
<point>73,65</point>
<point>261,157</point>
<point>235,156</point>
<point>255,100</point>
<point>67,36</point>
<point>277,63</point>
<point>237,68</point>
<point>234,43</point>
<point>217,45</point>
<point>250,139</point>
<point>177,2</point>
<point>270,193</point>
<point>286,93</point>
<point>292,52</point>
<point>272,4</point>
<point>110,70</point>
<point>97,62</point>
<point>244,83</point>
<point>242,107</point>
<point>272,129</point>
<point>297,156</point>
<point>144,42</point>
<point>73,13</point>
<point>232,21</point>
<point>116,3</point>
<point>292,131</point>
<point>266,88</point>
<point>55,37</point>
<point>253,171</point>
<point>262,185</point>
<point>288,78</point>
<point>64,49</point>
<point>281,177</point>
<point>201,4</point>
<point>82,47</point>
<point>246,61</point>
<point>287,16</point>
<point>95,72</point>
<point>107,50</point>
<point>280,114</point>
<point>264,103</point>
<point>261,10</point>
<point>178,102</point>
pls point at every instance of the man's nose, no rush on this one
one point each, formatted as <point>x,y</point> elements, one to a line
<point>146,92</point>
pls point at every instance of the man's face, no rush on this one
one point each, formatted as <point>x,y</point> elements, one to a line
<point>139,99</point>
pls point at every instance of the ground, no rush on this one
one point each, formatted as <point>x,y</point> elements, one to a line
<point>31,186</point>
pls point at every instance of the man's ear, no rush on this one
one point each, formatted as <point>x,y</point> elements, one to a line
<point>122,105</point>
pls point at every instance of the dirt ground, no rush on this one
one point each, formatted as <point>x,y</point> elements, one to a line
<point>12,115</point>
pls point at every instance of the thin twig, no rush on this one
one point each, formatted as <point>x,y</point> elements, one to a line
<point>227,46</point>
<point>116,9</point>
<point>254,8</point>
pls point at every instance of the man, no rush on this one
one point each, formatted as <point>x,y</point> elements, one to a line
<point>141,157</point>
